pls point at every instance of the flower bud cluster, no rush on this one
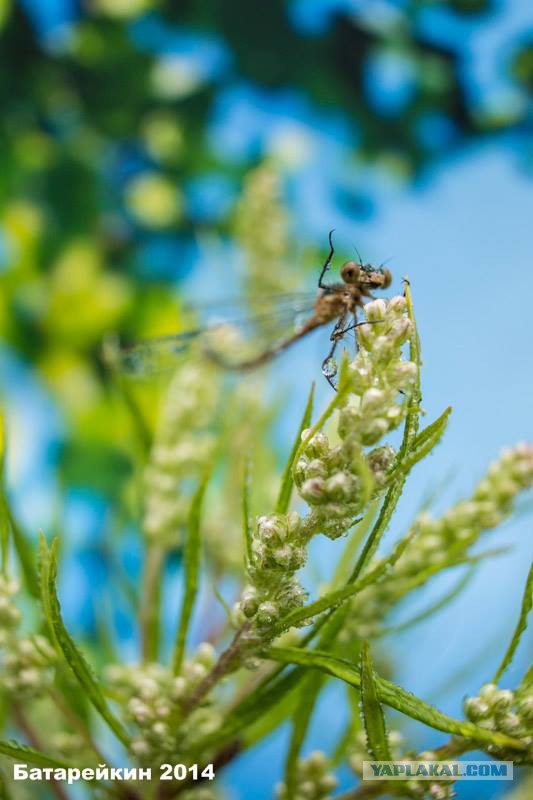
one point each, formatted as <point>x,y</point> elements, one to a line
<point>261,229</point>
<point>153,698</point>
<point>314,779</point>
<point>505,711</point>
<point>183,447</point>
<point>334,480</point>
<point>432,790</point>
<point>330,479</point>
<point>379,373</point>
<point>29,666</point>
<point>26,663</point>
<point>278,550</point>
<point>439,539</point>
<point>247,419</point>
<point>9,614</point>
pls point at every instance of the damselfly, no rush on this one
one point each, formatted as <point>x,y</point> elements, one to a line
<point>274,324</point>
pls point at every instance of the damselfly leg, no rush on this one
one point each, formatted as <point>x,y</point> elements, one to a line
<point>327,263</point>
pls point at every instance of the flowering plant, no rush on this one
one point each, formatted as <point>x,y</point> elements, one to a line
<point>270,659</point>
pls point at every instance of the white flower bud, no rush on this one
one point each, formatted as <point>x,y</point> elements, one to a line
<point>267,613</point>
<point>525,707</point>
<point>312,490</point>
<point>196,672</point>
<point>383,349</point>
<point>397,305</point>
<point>372,400</point>
<point>399,330</point>
<point>502,700</point>
<point>29,677</point>
<point>140,747</point>
<point>476,709</point>
<point>510,723</point>
<point>376,310</point>
<point>206,654</point>
<point>374,430</point>
<point>315,469</point>
<point>148,688</point>
<point>179,687</point>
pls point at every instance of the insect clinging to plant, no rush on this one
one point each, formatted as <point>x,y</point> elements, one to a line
<point>336,302</point>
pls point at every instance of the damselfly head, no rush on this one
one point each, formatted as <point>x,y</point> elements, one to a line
<point>374,277</point>
<point>377,277</point>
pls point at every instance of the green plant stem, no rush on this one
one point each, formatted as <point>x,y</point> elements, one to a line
<point>150,608</point>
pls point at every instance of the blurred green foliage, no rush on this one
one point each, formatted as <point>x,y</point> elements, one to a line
<point>100,137</point>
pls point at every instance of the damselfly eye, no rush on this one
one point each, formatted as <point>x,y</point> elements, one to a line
<point>387,279</point>
<point>350,272</point>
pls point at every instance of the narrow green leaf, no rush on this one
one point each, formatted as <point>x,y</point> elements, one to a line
<point>372,713</point>
<point>66,645</point>
<point>4,529</point>
<point>387,509</point>
<point>430,431</point>
<point>422,445</point>
<point>246,524</point>
<point>308,695</point>
<point>28,755</point>
<point>392,695</point>
<point>418,453</point>
<point>527,605</point>
<point>338,596</point>
<point>44,569</point>
<point>332,622</point>
<point>191,563</point>
<point>4,507</point>
<point>271,720</point>
<point>150,608</point>
<point>26,557</point>
<point>285,492</point>
<point>412,418</point>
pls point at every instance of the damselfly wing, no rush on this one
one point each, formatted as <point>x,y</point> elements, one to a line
<point>230,333</point>
<point>244,341</point>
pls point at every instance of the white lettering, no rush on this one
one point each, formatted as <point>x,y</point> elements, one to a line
<point>101,772</point>
<point>73,775</point>
<point>20,772</point>
<point>144,774</point>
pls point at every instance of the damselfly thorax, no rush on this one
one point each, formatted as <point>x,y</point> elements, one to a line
<point>243,341</point>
